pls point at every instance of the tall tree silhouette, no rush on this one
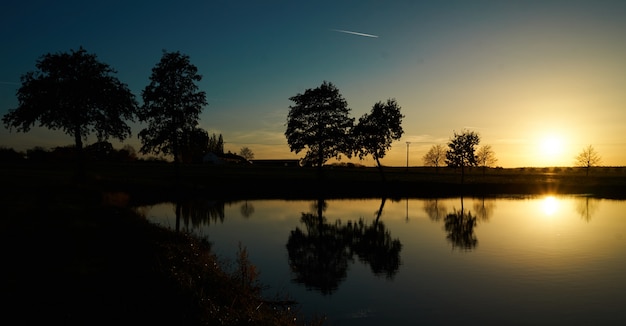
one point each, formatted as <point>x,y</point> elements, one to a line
<point>375,131</point>
<point>76,93</point>
<point>172,105</point>
<point>319,122</point>
<point>194,145</point>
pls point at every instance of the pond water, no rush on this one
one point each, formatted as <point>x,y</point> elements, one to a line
<point>544,260</point>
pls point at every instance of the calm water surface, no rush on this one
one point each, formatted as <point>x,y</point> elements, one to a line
<point>541,260</point>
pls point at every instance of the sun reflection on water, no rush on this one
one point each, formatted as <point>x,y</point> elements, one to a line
<point>550,205</point>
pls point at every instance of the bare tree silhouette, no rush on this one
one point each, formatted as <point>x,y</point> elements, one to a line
<point>435,156</point>
<point>588,158</point>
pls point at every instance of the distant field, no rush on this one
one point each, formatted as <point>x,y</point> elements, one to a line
<point>160,180</point>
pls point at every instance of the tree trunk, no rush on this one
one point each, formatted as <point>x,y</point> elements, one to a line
<point>380,169</point>
<point>380,210</point>
<point>80,159</point>
<point>176,153</point>
<point>462,173</point>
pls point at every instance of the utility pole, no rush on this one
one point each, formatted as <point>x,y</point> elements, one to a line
<point>407,155</point>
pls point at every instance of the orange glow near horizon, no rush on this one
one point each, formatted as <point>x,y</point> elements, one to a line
<point>552,150</point>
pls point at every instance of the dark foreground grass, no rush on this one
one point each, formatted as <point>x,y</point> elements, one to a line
<point>73,257</point>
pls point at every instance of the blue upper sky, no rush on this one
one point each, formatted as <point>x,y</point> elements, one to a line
<point>521,73</point>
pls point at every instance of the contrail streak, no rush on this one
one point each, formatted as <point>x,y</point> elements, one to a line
<point>354,33</point>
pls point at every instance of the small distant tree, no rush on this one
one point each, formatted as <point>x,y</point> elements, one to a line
<point>461,150</point>
<point>216,144</point>
<point>246,153</point>
<point>435,156</point>
<point>220,144</point>
<point>485,157</point>
<point>588,158</point>
<point>375,131</point>
<point>172,106</point>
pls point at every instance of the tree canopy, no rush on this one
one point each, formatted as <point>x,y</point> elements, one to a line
<point>461,150</point>
<point>76,93</point>
<point>375,131</point>
<point>194,145</point>
<point>319,122</point>
<point>172,106</point>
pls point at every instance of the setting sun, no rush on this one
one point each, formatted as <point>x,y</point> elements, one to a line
<point>552,150</point>
<point>551,147</point>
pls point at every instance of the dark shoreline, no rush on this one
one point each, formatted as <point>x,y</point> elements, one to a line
<point>153,182</point>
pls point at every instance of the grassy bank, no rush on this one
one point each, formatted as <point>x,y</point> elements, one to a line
<point>72,256</point>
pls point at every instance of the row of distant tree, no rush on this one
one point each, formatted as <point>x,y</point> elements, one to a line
<point>460,152</point>
<point>319,123</point>
<point>80,95</point>
<point>103,151</point>
<point>76,93</point>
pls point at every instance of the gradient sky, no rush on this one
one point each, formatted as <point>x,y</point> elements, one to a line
<point>523,74</point>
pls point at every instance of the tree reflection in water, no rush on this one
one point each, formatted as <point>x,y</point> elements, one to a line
<point>373,245</point>
<point>195,213</point>
<point>434,209</point>
<point>586,207</point>
<point>246,209</point>
<point>460,228</point>
<point>484,209</point>
<point>319,255</point>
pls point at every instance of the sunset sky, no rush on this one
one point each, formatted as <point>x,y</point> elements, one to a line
<point>538,80</point>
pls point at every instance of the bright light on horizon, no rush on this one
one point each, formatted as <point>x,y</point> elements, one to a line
<point>552,146</point>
